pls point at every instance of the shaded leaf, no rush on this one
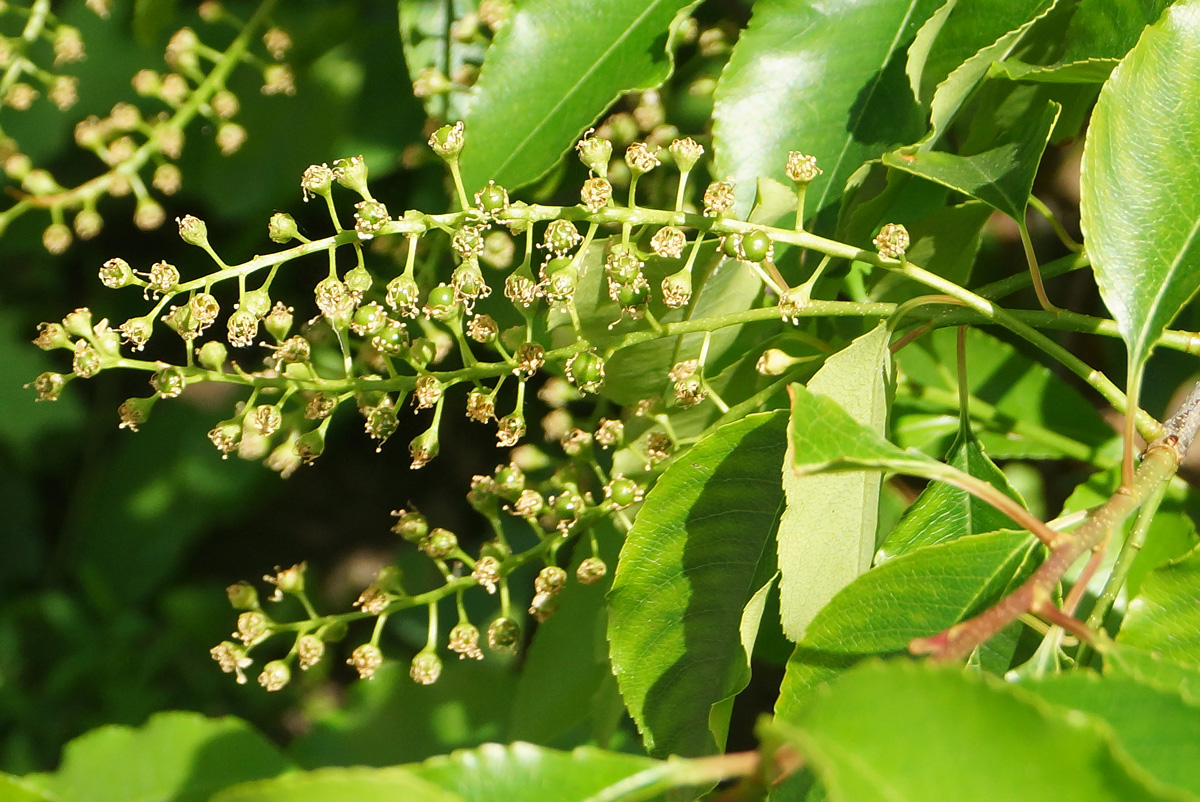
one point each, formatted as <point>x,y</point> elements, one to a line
<point>1001,177</point>
<point>943,513</point>
<point>1140,206</point>
<point>1157,729</point>
<point>905,731</point>
<point>1019,408</point>
<point>687,571</point>
<point>825,79</point>
<point>1151,668</point>
<point>912,596</point>
<point>555,66</point>
<point>425,34</point>
<point>827,532</point>
<point>177,756</point>
<point>1107,29</point>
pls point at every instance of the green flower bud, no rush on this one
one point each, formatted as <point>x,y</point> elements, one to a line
<point>503,635</point>
<point>448,141</point>
<point>279,321</point>
<point>492,199</point>
<point>686,152</point>
<point>257,302</point>
<point>623,492</point>
<point>352,174</point>
<point>366,659</point>
<point>442,303</point>
<point>439,544</point>
<point>48,386</point>
<point>591,571</point>
<point>243,596</point>
<point>677,289</point>
<point>134,412</point>
<point>116,273</point>
<point>510,481</point>
<point>318,180</point>
<point>426,668</point>
<point>168,382</point>
<point>79,322</point>
<point>51,336</point>
<point>192,230</point>
<point>756,245</point>
<point>212,355</point>
<point>275,675</point>
<point>403,295</point>
<point>369,217</point>
<point>310,445</point>
<point>595,154</point>
<point>410,525</point>
<point>282,228</point>
<point>585,370</point>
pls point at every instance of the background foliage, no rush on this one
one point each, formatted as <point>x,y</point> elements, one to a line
<point>943,117</point>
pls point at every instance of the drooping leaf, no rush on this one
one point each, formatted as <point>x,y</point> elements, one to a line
<point>178,756</point>
<point>686,573</point>
<point>912,596</point>
<point>1157,728</point>
<point>1019,408</point>
<point>952,93</point>
<point>340,785</point>
<point>903,731</point>
<point>827,532</point>
<point>943,513</point>
<point>1139,206</point>
<point>826,79</point>
<point>1165,616</point>
<point>1001,177</point>
<point>555,66</point>
<point>971,26</point>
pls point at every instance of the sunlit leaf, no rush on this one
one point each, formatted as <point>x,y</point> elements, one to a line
<point>1140,206</point>
<point>827,532</point>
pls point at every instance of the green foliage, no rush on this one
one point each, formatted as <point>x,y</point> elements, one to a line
<point>769,317</point>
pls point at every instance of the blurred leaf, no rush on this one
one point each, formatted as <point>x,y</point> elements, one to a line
<point>1001,177</point>
<point>971,26</point>
<point>1155,727</point>
<point>565,670</point>
<point>943,513</point>
<point>177,756</point>
<point>340,785</point>
<point>827,532</point>
<point>14,789</point>
<point>151,17</point>
<point>825,80</point>
<point>1089,71</point>
<point>393,720</point>
<point>1165,617</point>
<point>687,571</point>
<point>425,32</point>
<point>27,421</point>
<point>1019,408</point>
<point>905,731</point>
<point>555,66</point>
<point>1140,196</point>
<point>915,595</point>
<point>1151,668</point>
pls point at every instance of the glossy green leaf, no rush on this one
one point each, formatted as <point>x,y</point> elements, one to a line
<point>524,771</point>
<point>1140,203</point>
<point>1001,177</point>
<point>687,571</point>
<point>555,66</point>
<point>177,756</point>
<point>915,595</point>
<point>340,785</point>
<point>1019,408</point>
<point>1088,71</point>
<point>970,26</point>
<point>943,513</point>
<point>1165,616</point>
<point>903,731</point>
<point>827,532</point>
<point>1157,729</point>
<point>827,80</point>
